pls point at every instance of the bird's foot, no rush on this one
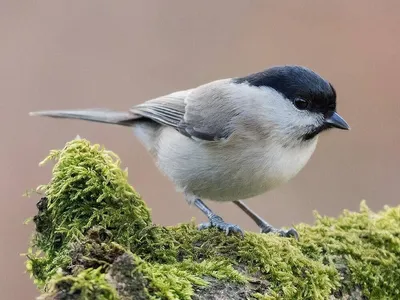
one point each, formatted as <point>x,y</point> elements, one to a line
<point>218,222</point>
<point>266,228</point>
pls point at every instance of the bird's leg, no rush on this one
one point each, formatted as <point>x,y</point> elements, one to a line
<point>215,220</point>
<point>264,225</point>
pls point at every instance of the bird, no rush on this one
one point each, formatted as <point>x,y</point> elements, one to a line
<point>231,139</point>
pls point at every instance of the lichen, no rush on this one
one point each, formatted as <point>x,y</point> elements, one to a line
<point>95,240</point>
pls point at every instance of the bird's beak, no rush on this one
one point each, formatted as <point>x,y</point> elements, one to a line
<point>336,121</point>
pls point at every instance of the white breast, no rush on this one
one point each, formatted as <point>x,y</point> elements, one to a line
<point>228,172</point>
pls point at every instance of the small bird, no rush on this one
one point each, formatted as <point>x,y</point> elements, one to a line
<point>231,139</point>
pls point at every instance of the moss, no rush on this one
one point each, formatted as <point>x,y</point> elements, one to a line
<point>88,284</point>
<point>87,188</point>
<point>365,247</point>
<point>96,239</point>
<point>125,276</point>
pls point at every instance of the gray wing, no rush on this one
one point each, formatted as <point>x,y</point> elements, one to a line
<point>168,110</point>
<point>200,113</point>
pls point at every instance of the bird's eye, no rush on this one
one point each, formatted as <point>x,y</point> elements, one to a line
<point>301,103</point>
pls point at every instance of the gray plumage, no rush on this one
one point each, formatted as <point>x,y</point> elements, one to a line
<point>230,139</point>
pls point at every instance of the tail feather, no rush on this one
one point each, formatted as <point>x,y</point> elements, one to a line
<point>93,115</point>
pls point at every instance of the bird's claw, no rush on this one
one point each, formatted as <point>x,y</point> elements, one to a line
<point>284,233</point>
<point>219,223</point>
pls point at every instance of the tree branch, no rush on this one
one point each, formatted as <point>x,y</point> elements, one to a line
<point>95,239</point>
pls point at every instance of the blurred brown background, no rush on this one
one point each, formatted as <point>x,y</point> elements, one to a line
<point>70,54</point>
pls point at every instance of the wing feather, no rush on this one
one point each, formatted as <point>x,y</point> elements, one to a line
<point>200,113</point>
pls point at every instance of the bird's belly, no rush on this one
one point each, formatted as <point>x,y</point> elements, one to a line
<point>229,173</point>
<point>239,187</point>
<point>244,181</point>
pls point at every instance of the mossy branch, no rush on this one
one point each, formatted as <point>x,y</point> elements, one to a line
<point>95,239</point>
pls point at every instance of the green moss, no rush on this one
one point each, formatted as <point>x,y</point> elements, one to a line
<point>87,188</point>
<point>94,227</point>
<point>364,246</point>
<point>88,284</point>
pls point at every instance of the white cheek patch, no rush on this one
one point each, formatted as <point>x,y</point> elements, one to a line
<point>287,115</point>
<point>307,119</point>
<point>276,113</point>
<point>266,112</point>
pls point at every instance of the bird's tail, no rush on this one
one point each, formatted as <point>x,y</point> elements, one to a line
<point>93,115</point>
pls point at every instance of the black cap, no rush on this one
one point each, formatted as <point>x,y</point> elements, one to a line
<point>296,82</point>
